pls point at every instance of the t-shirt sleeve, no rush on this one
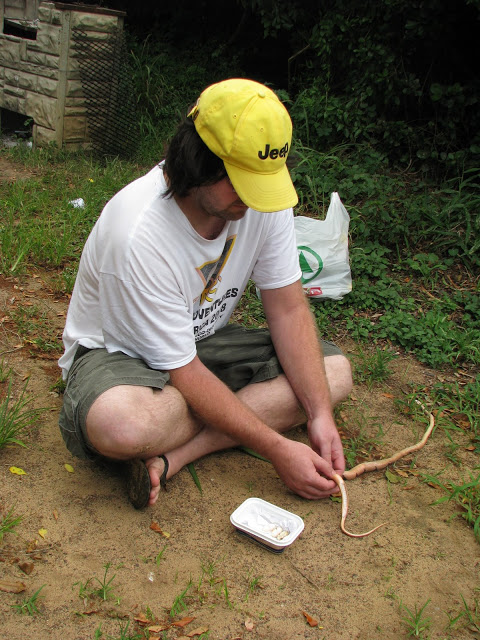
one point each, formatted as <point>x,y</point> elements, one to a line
<point>277,265</point>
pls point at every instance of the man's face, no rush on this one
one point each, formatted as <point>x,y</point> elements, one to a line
<point>219,200</point>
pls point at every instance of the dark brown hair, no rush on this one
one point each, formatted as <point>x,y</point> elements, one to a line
<point>189,163</point>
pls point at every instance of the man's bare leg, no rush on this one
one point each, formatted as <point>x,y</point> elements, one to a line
<point>273,401</point>
<point>166,426</point>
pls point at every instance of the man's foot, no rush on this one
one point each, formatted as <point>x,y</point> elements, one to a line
<point>157,468</point>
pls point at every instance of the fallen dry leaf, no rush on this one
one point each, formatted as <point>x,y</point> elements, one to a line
<point>311,621</point>
<point>42,533</point>
<point>55,514</point>
<point>183,622</point>
<point>156,628</point>
<point>17,471</point>
<point>391,477</point>
<point>156,527</point>
<point>461,420</point>
<point>12,587</point>
<point>69,468</point>
<point>249,625</point>
<point>141,618</point>
<point>197,632</point>
<point>26,567</point>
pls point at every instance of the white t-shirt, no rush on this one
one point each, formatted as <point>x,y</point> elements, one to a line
<point>149,285</point>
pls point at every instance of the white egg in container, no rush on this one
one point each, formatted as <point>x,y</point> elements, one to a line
<point>269,525</point>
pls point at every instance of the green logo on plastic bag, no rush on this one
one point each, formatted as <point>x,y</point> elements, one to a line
<point>310,263</point>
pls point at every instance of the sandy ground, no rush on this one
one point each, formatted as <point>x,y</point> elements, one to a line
<point>75,523</point>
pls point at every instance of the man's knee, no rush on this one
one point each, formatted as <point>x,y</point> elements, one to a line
<point>115,437</point>
<point>126,421</point>
<point>339,376</point>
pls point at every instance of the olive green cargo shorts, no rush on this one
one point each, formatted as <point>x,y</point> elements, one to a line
<point>236,355</point>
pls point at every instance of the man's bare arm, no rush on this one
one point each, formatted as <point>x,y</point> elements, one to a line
<point>216,405</point>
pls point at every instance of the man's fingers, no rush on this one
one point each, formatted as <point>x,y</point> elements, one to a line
<point>323,466</point>
<point>326,454</point>
<point>305,472</point>
<point>338,461</point>
<point>317,492</point>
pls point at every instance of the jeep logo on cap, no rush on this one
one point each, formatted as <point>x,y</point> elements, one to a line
<point>273,153</point>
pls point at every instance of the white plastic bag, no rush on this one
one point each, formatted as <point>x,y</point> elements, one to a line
<point>323,252</point>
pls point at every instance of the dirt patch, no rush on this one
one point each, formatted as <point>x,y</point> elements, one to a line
<point>10,172</point>
<point>73,524</point>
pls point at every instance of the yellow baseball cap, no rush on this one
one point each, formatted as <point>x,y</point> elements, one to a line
<point>245,124</point>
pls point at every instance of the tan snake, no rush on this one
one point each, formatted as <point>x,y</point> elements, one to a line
<point>375,465</point>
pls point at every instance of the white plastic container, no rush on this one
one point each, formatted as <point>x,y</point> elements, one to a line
<point>267,524</point>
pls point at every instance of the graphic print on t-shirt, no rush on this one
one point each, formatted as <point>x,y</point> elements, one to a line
<point>208,309</point>
<point>210,271</point>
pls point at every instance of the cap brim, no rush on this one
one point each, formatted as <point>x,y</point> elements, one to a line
<point>266,192</point>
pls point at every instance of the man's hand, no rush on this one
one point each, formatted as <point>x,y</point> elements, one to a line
<point>303,470</point>
<point>325,440</point>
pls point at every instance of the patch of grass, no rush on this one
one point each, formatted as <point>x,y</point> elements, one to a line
<point>62,282</point>
<point>415,621</point>
<point>39,225</point>
<point>29,605</point>
<point>6,372</point>
<point>358,445</point>
<point>254,583</point>
<point>34,327</point>
<point>179,604</point>
<point>208,571</point>
<point>469,616</point>
<point>16,417</point>
<point>159,557</point>
<point>217,584</point>
<point>8,522</point>
<point>388,305</point>
<point>467,496</point>
<point>224,589</point>
<point>125,634</point>
<point>432,335</point>
<point>104,589</point>
<point>372,367</point>
<point>460,404</point>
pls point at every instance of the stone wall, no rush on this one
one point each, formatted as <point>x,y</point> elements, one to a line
<point>40,78</point>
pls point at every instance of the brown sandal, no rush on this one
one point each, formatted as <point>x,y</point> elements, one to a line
<point>138,481</point>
